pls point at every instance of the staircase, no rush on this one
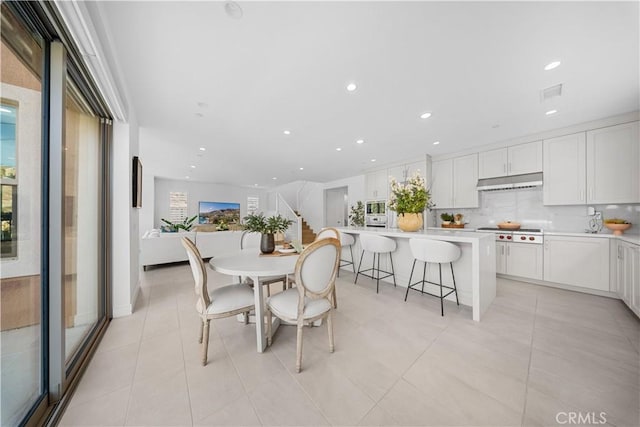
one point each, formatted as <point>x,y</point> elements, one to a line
<point>308,236</point>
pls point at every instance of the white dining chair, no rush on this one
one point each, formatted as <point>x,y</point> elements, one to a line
<point>311,299</point>
<point>225,301</point>
<point>250,240</point>
<point>328,232</point>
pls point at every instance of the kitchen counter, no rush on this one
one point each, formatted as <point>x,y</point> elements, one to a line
<point>475,270</point>
<point>629,238</point>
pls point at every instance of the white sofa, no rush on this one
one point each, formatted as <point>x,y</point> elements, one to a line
<point>163,248</point>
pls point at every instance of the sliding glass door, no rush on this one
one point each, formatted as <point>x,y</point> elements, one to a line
<point>54,146</point>
<point>21,282</point>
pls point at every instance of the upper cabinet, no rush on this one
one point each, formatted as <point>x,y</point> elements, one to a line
<point>377,185</point>
<point>613,164</point>
<point>599,166</point>
<point>454,182</point>
<point>514,160</point>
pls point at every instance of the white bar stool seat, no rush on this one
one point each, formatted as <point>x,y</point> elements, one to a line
<point>376,245</point>
<point>435,252</point>
<point>347,240</point>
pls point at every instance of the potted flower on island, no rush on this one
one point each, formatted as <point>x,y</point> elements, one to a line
<point>409,200</point>
<point>268,227</point>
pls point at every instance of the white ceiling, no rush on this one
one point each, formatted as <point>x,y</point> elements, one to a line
<point>285,65</point>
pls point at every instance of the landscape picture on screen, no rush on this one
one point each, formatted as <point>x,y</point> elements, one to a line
<point>219,213</point>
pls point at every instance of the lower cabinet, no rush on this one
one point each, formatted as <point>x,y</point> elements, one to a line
<point>628,274</point>
<point>518,259</point>
<point>577,261</point>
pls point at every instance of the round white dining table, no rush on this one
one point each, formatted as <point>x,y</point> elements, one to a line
<point>250,263</point>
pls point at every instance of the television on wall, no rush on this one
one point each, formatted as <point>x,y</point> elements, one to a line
<point>217,212</point>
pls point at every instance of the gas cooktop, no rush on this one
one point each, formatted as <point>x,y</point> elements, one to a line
<point>500,230</point>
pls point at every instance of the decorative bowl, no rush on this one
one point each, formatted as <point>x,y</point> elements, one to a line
<point>508,225</point>
<point>617,229</point>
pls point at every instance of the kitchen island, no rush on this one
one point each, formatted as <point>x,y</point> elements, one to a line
<point>475,270</point>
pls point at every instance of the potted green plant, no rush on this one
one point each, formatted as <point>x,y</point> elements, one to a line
<point>409,200</point>
<point>173,227</point>
<point>268,227</point>
<point>446,218</point>
<point>356,216</point>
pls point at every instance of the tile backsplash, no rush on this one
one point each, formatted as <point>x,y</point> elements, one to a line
<point>525,206</point>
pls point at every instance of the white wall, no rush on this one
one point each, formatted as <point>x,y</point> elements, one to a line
<point>125,275</point>
<point>200,192</point>
<point>28,170</point>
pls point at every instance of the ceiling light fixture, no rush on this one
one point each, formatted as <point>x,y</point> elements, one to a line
<point>351,87</point>
<point>436,143</point>
<point>186,177</point>
<point>203,149</point>
<point>274,178</point>
<point>193,166</point>
<point>425,115</point>
<point>373,160</point>
<point>552,65</point>
<point>338,149</point>
<point>360,141</point>
<point>551,112</point>
<point>287,132</point>
<point>301,169</point>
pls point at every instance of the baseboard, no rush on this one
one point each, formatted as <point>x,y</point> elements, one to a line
<point>126,309</point>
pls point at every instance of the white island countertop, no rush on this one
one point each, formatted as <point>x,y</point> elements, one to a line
<point>475,270</point>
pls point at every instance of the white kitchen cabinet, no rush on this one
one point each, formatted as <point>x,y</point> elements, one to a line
<point>628,275</point>
<point>524,260</point>
<point>613,164</point>
<point>442,184</point>
<point>565,170</point>
<point>515,160</point>
<point>377,185</point>
<point>518,259</point>
<point>597,167</point>
<point>501,255</point>
<point>454,182</point>
<point>577,261</point>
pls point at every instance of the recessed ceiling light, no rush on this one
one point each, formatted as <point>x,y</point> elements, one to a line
<point>552,65</point>
<point>351,87</point>
<point>373,160</point>
<point>287,132</point>
<point>425,115</point>
<point>360,141</point>
<point>203,149</point>
<point>193,166</point>
<point>255,185</point>
<point>186,177</point>
<point>301,169</point>
<point>338,149</point>
<point>551,112</point>
<point>274,177</point>
<point>436,143</point>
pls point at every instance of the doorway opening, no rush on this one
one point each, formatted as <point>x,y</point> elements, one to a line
<point>336,207</point>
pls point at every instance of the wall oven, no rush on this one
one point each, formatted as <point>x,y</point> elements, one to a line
<point>375,214</point>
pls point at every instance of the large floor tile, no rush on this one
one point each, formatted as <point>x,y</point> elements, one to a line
<point>240,412</point>
<point>107,410</point>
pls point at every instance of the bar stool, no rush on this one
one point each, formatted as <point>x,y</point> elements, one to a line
<point>376,245</point>
<point>347,240</point>
<point>433,251</point>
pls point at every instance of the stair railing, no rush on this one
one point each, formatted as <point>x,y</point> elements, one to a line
<point>295,230</point>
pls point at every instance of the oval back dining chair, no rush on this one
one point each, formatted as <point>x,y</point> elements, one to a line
<point>323,234</point>
<point>311,299</point>
<point>225,301</point>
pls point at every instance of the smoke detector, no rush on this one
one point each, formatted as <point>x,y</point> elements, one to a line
<point>233,9</point>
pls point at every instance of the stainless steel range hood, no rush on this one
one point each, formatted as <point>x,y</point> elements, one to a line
<point>510,182</point>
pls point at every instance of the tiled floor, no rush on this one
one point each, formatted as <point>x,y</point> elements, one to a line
<point>538,352</point>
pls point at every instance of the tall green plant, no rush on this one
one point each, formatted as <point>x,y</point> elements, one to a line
<point>356,216</point>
